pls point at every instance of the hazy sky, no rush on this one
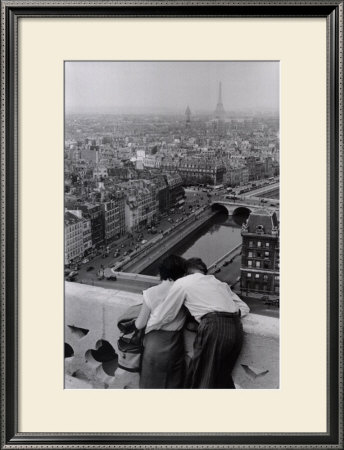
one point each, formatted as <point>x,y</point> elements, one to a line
<point>145,87</point>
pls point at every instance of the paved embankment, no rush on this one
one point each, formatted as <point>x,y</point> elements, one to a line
<point>263,190</point>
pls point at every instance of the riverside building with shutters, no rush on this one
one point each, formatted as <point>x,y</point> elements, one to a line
<point>260,254</point>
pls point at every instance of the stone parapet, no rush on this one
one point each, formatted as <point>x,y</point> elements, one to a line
<point>91,334</point>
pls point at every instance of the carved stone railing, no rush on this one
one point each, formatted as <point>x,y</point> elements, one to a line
<point>91,315</point>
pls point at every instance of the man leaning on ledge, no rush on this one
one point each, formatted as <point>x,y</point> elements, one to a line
<point>218,310</point>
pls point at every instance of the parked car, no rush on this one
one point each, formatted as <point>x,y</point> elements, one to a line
<point>72,275</point>
<point>226,263</point>
<point>217,270</point>
<point>270,301</point>
<point>144,241</point>
<point>85,261</point>
<point>89,268</point>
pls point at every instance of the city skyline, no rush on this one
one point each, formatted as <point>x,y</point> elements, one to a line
<point>135,87</point>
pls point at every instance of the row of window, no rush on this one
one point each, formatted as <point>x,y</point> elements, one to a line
<point>258,254</point>
<point>114,220</point>
<point>74,235</point>
<point>260,287</point>
<point>259,244</point>
<point>70,245</point>
<point>259,264</point>
<point>260,276</point>
<point>73,253</point>
<point>196,169</point>
<point>75,227</point>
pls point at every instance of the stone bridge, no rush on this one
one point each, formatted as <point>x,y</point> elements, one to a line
<point>245,205</point>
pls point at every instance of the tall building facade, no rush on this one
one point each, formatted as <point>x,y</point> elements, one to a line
<point>175,188</point>
<point>113,214</point>
<point>87,232</point>
<point>260,254</point>
<point>74,238</point>
<point>204,171</point>
<point>141,205</point>
<point>256,168</point>
<point>93,212</point>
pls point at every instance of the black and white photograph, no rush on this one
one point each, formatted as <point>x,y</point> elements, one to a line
<point>171,224</point>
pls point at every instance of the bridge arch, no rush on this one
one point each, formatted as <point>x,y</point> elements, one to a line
<point>241,211</point>
<point>221,208</point>
<point>232,209</point>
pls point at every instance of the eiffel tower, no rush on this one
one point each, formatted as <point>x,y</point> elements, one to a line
<point>188,115</point>
<point>220,111</point>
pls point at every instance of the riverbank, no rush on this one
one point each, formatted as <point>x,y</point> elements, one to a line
<point>165,244</point>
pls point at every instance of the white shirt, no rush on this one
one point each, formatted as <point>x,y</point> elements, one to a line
<point>153,297</point>
<point>201,294</point>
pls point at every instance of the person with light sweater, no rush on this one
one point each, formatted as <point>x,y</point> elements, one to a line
<point>163,360</point>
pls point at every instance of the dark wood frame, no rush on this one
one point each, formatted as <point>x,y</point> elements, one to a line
<point>11,12</point>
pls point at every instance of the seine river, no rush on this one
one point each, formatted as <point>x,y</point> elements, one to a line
<point>210,243</point>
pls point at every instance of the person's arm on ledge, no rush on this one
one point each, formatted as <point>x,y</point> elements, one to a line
<point>240,304</point>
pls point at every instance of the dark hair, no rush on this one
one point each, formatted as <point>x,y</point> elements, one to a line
<point>172,268</point>
<point>196,263</point>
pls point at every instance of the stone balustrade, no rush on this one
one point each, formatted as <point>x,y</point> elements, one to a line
<point>91,334</point>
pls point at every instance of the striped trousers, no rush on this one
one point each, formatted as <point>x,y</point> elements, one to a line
<point>216,349</point>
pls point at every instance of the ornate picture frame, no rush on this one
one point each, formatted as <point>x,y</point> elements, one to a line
<point>11,12</point>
